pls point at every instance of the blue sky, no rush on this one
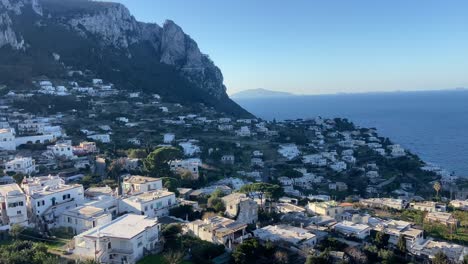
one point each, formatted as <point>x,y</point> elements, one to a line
<point>329,46</point>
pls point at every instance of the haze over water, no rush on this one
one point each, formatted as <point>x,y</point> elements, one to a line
<point>433,125</point>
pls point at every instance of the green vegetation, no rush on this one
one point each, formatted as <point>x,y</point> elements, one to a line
<point>26,252</point>
<point>156,164</point>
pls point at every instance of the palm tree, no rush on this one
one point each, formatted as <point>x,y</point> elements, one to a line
<point>437,188</point>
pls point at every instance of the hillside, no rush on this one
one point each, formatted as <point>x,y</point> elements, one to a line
<point>50,37</point>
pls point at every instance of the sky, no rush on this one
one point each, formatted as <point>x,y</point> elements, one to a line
<point>328,46</point>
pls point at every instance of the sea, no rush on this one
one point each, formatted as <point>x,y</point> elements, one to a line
<point>431,124</point>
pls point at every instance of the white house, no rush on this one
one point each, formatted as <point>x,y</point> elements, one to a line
<point>186,165</point>
<point>85,147</point>
<point>152,204</point>
<point>338,166</point>
<point>139,184</point>
<point>218,230</point>
<point>104,138</point>
<point>296,236</point>
<point>397,151</point>
<point>289,151</point>
<point>244,131</point>
<point>48,197</point>
<point>83,218</point>
<point>12,206</point>
<point>7,139</point>
<point>124,240</point>
<point>190,148</point>
<point>23,165</point>
<point>62,149</point>
<point>168,138</point>
<point>347,228</point>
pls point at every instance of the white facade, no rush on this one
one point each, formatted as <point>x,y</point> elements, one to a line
<point>152,204</point>
<point>62,149</point>
<point>23,165</point>
<point>189,165</point>
<point>124,240</point>
<point>7,139</point>
<point>338,166</point>
<point>104,138</point>
<point>244,132</point>
<point>189,148</point>
<point>289,151</point>
<point>284,233</point>
<point>12,206</point>
<point>168,138</point>
<point>48,197</point>
<point>347,228</point>
<point>84,218</point>
<point>139,184</point>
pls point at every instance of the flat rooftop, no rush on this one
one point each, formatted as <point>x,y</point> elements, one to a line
<point>10,189</point>
<point>140,179</point>
<point>85,211</point>
<point>150,196</point>
<point>126,227</point>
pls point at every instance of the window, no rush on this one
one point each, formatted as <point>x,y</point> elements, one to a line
<point>38,203</point>
<point>68,219</point>
<point>18,212</point>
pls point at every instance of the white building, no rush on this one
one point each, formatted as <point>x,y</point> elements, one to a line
<point>397,151</point>
<point>12,206</point>
<point>168,138</point>
<point>84,218</point>
<point>338,166</point>
<point>218,230</point>
<point>23,165</point>
<point>315,160</point>
<point>384,203</point>
<point>190,148</point>
<point>7,139</point>
<point>347,228</point>
<point>139,184</point>
<point>244,131</point>
<point>104,138</point>
<point>62,149</point>
<point>152,204</point>
<point>289,151</point>
<point>85,148</point>
<point>186,165</point>
<point>48,197</point>
<point>124,240</point>
<point>298,237</point>
<point>428,206</point>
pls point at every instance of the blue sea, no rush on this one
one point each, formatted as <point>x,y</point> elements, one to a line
<point>432,124</point>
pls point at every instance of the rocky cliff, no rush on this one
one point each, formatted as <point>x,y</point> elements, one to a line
<point>109,31</point>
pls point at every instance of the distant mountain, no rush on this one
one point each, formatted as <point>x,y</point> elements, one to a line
<point>47,37</point>
<point>259,93</point>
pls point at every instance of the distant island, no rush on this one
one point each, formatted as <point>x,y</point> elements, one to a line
<point>259,93</point>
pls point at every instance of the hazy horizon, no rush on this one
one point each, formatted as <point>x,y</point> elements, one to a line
<point>313,47</point>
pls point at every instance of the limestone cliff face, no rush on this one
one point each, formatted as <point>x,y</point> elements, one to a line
<point>116,27</point>
<point>8,10</point>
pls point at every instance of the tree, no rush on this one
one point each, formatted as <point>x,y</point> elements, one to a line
<point>157,162</point>
<point>173,257</point>
<point>381,239</point>
<point>271,191</point>
<point>247,252</point>
<point>281,257</point>
<point>26,252</point>
<point>401,244</point>
<point>440,258</point>
<point>15,231</point>
<point>171,233</point>
<point>137,153</point>
<point>437,188</point>
<point>387,256</point>
<point>323,258</point>
<point>215,202</point>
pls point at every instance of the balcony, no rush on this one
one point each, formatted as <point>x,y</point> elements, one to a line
<point>121,251</point>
